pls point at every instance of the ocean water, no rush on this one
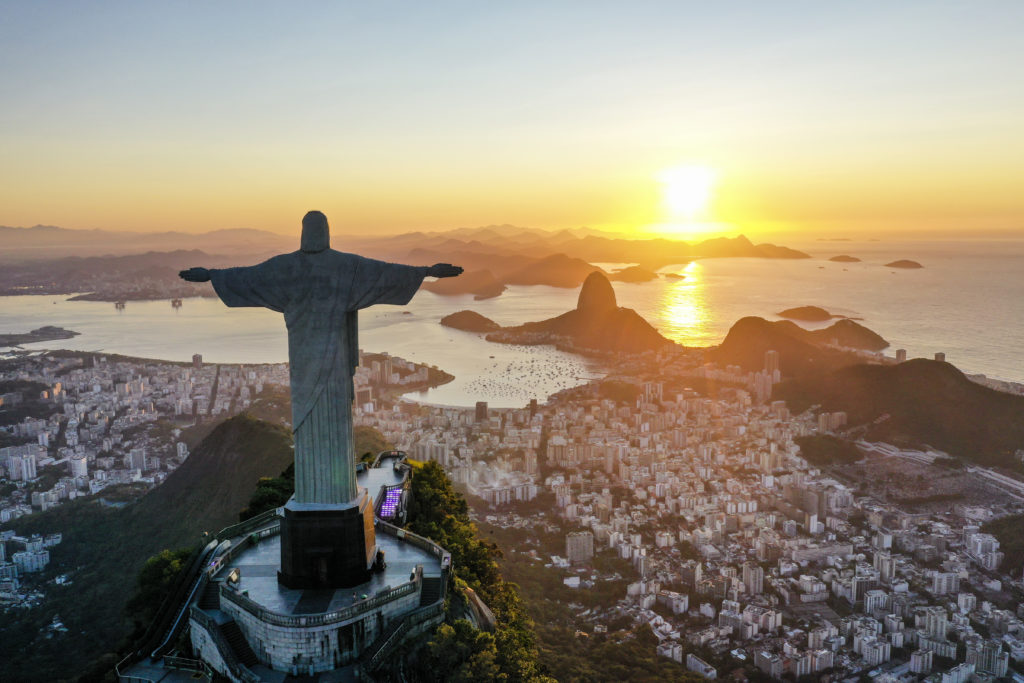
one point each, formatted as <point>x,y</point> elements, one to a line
<point>968,302</point>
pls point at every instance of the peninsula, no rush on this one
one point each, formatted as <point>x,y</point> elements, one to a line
<point>41,334</point>
<point>597,324</point>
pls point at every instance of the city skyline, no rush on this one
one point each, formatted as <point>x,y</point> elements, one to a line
<point>393,119</point>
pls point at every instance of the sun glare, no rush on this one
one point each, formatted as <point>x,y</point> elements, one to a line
<point>686,190</point>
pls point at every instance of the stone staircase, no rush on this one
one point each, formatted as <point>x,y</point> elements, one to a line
<point>210,599</point>
<point>430,591</point>
<point>236,640</point>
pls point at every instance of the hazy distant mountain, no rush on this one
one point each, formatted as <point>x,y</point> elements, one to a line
<point>152,275</point>
<point>48,242</point>
<point>511,254</point>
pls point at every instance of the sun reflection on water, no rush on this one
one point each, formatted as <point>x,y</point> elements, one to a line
<point>683,308</point>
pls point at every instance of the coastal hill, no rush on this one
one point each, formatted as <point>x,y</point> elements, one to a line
<point>801,352</point>
<point>920,402</point>
<point>845,258</point>
<point>556,270</point>
<point>596,324</point>
<point>851,335</point>
<point>633,274</point>
<point>480,283</point>
<point>103,548</point>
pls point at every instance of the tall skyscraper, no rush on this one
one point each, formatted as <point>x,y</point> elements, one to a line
<point>771,361</point>
<point>481,411</point>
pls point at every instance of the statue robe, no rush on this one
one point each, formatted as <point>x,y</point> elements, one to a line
<point>319,295</point>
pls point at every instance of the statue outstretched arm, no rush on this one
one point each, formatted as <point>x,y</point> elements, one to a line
<point>195,275</point>
<point>444,270</point>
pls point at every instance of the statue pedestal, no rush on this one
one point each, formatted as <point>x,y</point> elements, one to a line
<point>327,546</point>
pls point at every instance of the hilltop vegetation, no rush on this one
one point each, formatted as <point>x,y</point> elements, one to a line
<point>920,402</point>
<point>824,449</point>
<point>103,550</point>
<point>458,652</point>
<point>1011,541</point>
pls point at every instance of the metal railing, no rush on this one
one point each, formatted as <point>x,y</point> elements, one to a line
<point>415,540</point>
<point>327,618</point>
<point>186,664</point>
<point>244,527</point>
<point>236,548</point>
<point>248,525</point>
<point>127,678</point>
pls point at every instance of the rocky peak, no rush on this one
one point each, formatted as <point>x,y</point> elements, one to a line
<point>596,295</point>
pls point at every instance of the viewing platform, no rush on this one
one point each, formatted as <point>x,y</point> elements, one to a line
<point>247,626</point>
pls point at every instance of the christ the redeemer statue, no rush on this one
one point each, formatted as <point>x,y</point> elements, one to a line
<point>319,291</point>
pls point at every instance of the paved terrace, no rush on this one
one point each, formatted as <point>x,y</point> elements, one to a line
<point>259,564</point>
<point>258,567</point>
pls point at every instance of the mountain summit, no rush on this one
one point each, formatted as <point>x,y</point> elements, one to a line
<point>596,296</point>
<point>596,324</point>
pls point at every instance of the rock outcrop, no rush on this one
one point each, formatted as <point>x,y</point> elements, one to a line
<point>596,324</point>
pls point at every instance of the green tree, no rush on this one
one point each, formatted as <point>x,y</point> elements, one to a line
<point>154,583</point>
<point>440,513</point>
<point>460,652</point>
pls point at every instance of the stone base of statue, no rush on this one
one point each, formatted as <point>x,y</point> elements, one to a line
<point>327,546</point>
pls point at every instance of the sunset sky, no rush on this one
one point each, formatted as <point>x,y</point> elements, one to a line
<point>813,116</point>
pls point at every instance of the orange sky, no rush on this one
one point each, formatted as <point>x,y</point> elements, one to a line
<point>813,118</point>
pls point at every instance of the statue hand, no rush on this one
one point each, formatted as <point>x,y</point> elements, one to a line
<point>195,275</point>
<point>444,270</point>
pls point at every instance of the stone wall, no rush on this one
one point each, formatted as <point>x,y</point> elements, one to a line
<point>310,649</point>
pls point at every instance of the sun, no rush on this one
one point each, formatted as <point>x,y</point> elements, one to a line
<point>687,190</point>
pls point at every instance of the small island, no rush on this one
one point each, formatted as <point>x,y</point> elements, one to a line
<point>674,276</point>
<point>812,314</point>
<point>904,263</point>
<point>42,334</point>
<point>845,258</point>
<point>470,321</point>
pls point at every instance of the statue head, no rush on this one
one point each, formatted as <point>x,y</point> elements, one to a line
<point>316,236</point>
